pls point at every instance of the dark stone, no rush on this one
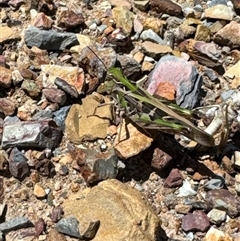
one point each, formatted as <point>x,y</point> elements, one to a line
<point>65,86</point>
<point>45,167</point>
<point>69,226</point>
<point>130,67</point>
<point>166,6</point>
<point>174,179</point>
<point>14,224</point>
<point>43,115</point>
<point>18,166</point>
<point>31,134</point>
<point>196,221</point>
<point>91,231</point>
<point>27,232</point>
<point>49,40</point>
<point>224,200</point>
<point>1,192</point>
<point>60,116</point>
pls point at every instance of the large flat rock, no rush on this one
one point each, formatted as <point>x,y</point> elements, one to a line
<point>122,211</point>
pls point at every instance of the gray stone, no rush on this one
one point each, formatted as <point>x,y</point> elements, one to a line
<point>219,11</point>
<point>15,223</point>
<point>179,73</point>
<point>217,216</point>
<point>49,39</point>
<point>130,67</point>
<point>43,115</point>
<point>215,183</point>
<point>18,166</point>
<point>32,134</point>
<point>60,116</point>
<point>151,36</point>
<point>186,190</point>
<point>174,22</point>
<point>69,226</point>
<point>216,2</point>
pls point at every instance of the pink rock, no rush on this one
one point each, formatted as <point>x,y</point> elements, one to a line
<point>42,21</point>
<point>178,73</point>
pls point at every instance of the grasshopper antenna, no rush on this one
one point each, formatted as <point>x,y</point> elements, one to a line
<point>98,57</point>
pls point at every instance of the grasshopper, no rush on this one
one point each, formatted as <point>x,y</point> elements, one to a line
<point>149,112</point>
<point>167,117</point>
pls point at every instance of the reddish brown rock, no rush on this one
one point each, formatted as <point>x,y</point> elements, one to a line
<point>39,226</point>
<point>160,160</point>
<point>5,77</point>
<point>42,21</point>
<point>229,35</point>
<point>174,179</point>
<point>7,106</point>
<point>38,56</point>
<point>69,19</point>
<point>166,6</point>
<point>54,235</point>
<point>196,221</point>
<point>55,95</point>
